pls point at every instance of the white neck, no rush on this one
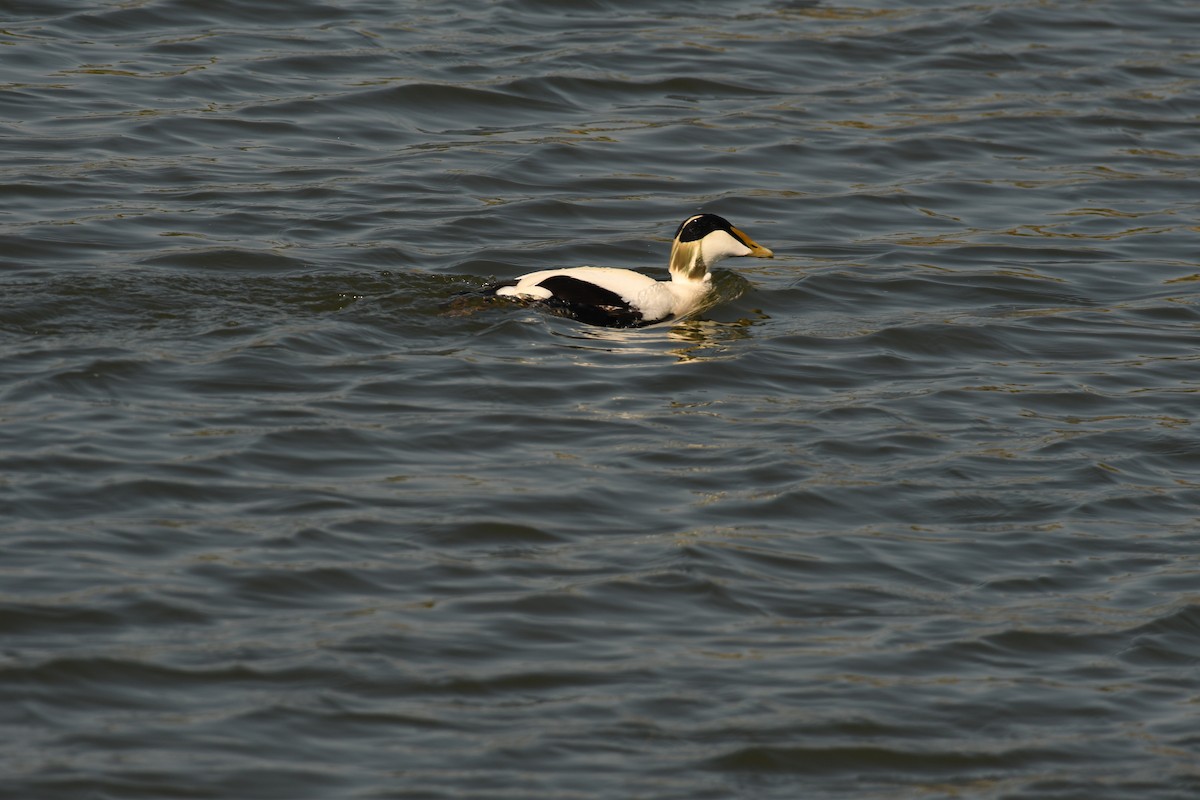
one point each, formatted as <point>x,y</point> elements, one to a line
<point>687,292</point>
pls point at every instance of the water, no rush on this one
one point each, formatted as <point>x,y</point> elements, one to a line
<point>912,513</point>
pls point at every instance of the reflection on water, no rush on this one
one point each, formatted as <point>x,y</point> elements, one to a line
<point>703,340</point>
<point>708,340</point>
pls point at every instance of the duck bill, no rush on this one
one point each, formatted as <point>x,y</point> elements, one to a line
<point>756,249</point>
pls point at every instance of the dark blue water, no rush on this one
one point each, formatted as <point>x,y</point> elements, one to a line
<point>286,512</point>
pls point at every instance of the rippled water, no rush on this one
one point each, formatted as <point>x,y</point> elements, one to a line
<point>286,512</point>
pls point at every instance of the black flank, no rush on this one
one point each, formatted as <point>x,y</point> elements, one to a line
<point>590,303</point>
<point>573,290</point>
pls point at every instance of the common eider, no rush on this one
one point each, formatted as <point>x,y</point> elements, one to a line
<point>622,298</point>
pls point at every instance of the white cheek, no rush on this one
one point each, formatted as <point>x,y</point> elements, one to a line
<point>719,244</point>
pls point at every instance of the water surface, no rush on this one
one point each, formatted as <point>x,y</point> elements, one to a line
<point>910,514</point>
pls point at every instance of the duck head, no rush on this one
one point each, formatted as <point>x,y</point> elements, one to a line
<point>703,240</point>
